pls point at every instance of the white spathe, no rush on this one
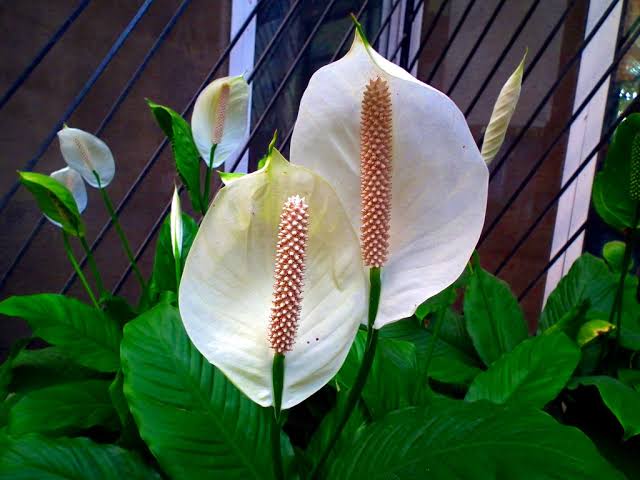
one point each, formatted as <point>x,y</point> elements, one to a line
<point>439,180</point>
<point>502,112</point>
<point>74,183</point>
<point>87,154</point>
<point>227,285</point>
<point>175,224</point>
<point>236,119</point>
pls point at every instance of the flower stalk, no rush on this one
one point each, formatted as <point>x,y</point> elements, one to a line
<point>92,264</point>
<point>120,232</point>
<point>78,270</point>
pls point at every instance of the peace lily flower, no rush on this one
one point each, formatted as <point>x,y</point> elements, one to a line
<point>274,270</point>
<point>405,166</point>
<point>88,155</point>
<point>220,117</point>
<point>74,183</point>
<point>175,224</point>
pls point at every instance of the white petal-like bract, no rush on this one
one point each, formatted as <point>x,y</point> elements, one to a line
<point>87,154</point>
<point>74,183</point>
<point>439,180</point>
<point>502,112</point>
<point>226,289</point>
<point>175,224</point>
<point>221,109</point>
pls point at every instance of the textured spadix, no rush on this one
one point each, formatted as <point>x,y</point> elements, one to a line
<point>87,154</point>
<point>438,178</point>
<point>226,291</point>
<point>220,116</point>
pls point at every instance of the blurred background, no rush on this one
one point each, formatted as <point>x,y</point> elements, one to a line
<point>91,64</point>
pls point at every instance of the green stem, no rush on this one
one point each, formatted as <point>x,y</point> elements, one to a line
<point>431,348</point>
<point>363,372</point>
<point>76,267</point>
<point>178,268</point>
<point>278,383</point>
<point>121,235</point>
<point>92,264</point>
<point>207,181</point>
<point>616,308</point>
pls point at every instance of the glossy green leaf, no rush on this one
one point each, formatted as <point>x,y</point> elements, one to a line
<point>611,187</point>
<point>64,409</point>
<point>87,335</point>
<point>34,457</point>
<point>55,200</point>
<point>613,253</point>
<point>592,330</point>
<point>533,373</point>
<point>36,369</point>
<point>623,401</point>
<point>591,280</point>
<point>461,440</point>
<point>493,316</point>
<point>118,400</point>
<point>393,377</point>
<point>196,423</point>
<point>185,152</point>
<point>630,377</point>
<point>228,177</point>
<point>453,361</point>
<point>164,267</point>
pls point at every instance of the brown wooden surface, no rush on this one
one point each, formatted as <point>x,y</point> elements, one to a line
<point>171,78</point>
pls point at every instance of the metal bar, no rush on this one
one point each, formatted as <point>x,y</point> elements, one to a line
<point>523,184</point>
<point>427,36</point>
<point>43,53</point>
<point>551,262</point>
<point>383,26</point>
<point>154,157</point>
<point>406,34</point>
<point>282,84</point>
<point>276,36</point>
<point>523,23</point>
<point>474,49</point>
<point>603,141</point>
<point>116,105</point>
<point>552,89</point>
<point>452,39</point>
<point>78,99</point>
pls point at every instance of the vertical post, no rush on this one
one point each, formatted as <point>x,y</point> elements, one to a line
<point>406,33</point>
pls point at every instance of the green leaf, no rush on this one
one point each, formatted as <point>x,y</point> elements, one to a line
<point>196,423</point>
<point>494,319</point>
<point>445,298</point>
<point>451,362</point>
<point>327,427</point>
<point>64,409</point>
<point>588,279</point>
<point>35,369</point>
<point>591,280</point>
<point>392,379</point>
<point>55,200</point>
<point>32,456</point>
<point>460,440</point>
<point>592,330</point>
<point>630,377</point>
<point>611,187</point>
<point>118,400</point>
<point>532,374</point>
<point>613,253</point>
<point>185,152</point>
<point>623,401</point>
<point>164,267</point>
<point>87,335</point>
<point>228,177</point>
<point>118,309</point>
